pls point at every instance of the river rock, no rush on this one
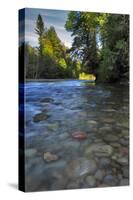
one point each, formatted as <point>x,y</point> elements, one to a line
<point>71,146</point>
<point>109,110</point>
<point>48,157</point>
<point>115,144</point>
<point>124,151</point>
<point>80,166</point>
<point>40,117</point>
<point>90,181</point>
<point>99,175</point>
<point>53,126</point>
<point>100,150</point>
<point>79,135</point>
<point>73,185</point>
<point>110,180</point>
<point>104,129</point>
<point>124,142</point>
<point>30,152</point>
<point>108,120</point>
<point>63,136</point>
<point>110,138</point>
<point>125,171</point>
<point>93,122</point>
<point>104,162</point>
<point>124,181</point>
<point>47,100</point>
<point>125,124</point>
<point>123,160</point>
<point>125,132</point>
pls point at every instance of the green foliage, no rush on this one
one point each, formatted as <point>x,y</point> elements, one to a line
<point>84,76</point>
<point>84,27</point>
<point>115,52</point>
<point>101,42</point>
<point>100,47</point>
<point>50,59</point>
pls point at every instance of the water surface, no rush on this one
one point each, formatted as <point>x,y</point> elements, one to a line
<point>100,111</point>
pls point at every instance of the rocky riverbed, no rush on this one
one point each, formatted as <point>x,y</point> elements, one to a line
<point>76,135</point>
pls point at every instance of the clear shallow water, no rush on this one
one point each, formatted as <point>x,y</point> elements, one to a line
<point>100,111</point>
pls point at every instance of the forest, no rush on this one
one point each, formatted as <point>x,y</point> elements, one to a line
<point>100,47</point>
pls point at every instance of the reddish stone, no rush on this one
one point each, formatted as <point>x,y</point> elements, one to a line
<point>124,150</point>
<point>79,135</point>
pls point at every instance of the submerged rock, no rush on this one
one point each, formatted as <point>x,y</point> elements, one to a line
<point>90,181</point>
<point>123,160</point>
<point>30,152</point>
<point>79,135</point>
<point>93,122</point>
<point>73,184</point>
<point>115,144</point>
<point>110,180</point>
<point>99,175</point>
<point>47,100</point>
<point>125,124</point>
<point>124,181</point>
<point>48,157</point>
<point>104,162</point>
<point>40,117</point>
<point>81,166</point>
<point>53,126</point>
<point>99,150</point>
<point>108,120</point>
<point>125,171</point>
<point>124,142</point>
<point>110,138</point>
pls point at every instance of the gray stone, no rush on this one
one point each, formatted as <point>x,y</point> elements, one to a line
<point>47,100</point>
<point>71,145</point>
<point>108,120</point>
<point>115,144</point>
<point>30,152</point>
<point>90,181</point>
<point>124,181</point>
<point>80,166</point>
<point>104,162</point>
<point>48,157</point>
<point>73,185</point>
<point>110,180</point>
<point>125,124</point>
<point>99,175</point>
<point>99,150</point>
<point>110,138</point>
<point>53,126</point>
<point>40,117</point>
<point>63,136</point>
<point>125,171</point>
<point>123,160</point>
<point>125,132</point>
<point>93,122</point>
<point>124,142</point>
<point>105,129</point>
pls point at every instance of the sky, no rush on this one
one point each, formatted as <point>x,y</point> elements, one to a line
<point>56,18</point>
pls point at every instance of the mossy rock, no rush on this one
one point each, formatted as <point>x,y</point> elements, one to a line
<point>40,117</point>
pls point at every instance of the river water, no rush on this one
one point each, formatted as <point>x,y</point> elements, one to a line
<point>54,111</point>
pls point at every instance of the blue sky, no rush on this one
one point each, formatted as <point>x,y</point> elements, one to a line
<point>56,18</point>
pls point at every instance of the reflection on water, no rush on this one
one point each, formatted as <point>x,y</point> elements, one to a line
<point>54,111</point>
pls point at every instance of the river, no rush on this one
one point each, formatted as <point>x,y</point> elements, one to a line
<point>54,111</point>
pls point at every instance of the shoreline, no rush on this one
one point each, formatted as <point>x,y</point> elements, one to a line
<point>49,80</point>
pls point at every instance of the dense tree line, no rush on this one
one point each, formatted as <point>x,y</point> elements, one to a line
<point>50,59</point>
<point>100,46</point>
<point>101,42</point>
